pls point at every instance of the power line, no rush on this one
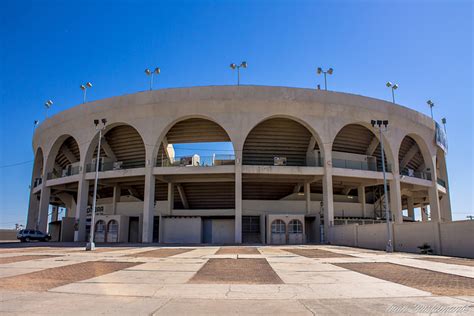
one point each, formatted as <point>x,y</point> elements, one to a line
<point>16,164</point>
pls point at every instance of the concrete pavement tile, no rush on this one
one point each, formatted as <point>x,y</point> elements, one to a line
<point>436,266</point>
<point>143,277</point>
<point>204,291</point>
<point>340,277</point>
<point>232,307</point>
<point>304,267</point>
<point>146,290</point>
<point>170,266</point>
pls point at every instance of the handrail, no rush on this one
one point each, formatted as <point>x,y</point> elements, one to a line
<point>417,174</point>
<point>197,161</point>
<point>276,160</point>
<point>441,182</point>
<point>66,172</point>
<point>359,165</point>
<point>116,165</point>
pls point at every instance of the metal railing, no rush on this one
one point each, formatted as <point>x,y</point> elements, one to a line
<point>271,160</point>
<point>359,165</point>
<point>441,182</point>
<point>64,173</point>
<point>416,174</point>
<point>197,161</point>
<point>116,165</point>
<point>37,182</point>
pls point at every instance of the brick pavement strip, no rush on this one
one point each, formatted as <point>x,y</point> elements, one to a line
<point>160,253</point>
<point>238,251</point>
<point>236,271</point>
<point>438,283</point>
<point>457,261</point>
<point>4,260</point>
<point>53,277</point>
<point>317,253</point>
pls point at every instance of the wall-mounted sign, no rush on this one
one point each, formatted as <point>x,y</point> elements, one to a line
<point>99,210</point>
<point>440,138</point>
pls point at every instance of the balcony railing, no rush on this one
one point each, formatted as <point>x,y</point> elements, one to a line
<point>359,165</point>
<point>441,182</point>
<point>70,171</point>
<point>197,161</point>
<point>271,160</point>
<point>37,182</point>
<point>416,174</point>
<point>116,165</point>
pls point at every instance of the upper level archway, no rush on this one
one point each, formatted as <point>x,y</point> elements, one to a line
<point>64,158</point>
<point>412,159</point>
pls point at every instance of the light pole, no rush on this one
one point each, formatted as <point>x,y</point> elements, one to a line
<point>431,105</point>
<point>379,123</point>
<point>233,66</point>
<point>84,88</point>
<point>327,72</point>
<point>394,87</point>
<point>443,120</point>
<point>47,106</point>
<point>151,73</point>
<point>91,245</point>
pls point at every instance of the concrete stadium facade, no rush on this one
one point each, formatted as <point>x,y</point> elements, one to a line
<point>301,162</point>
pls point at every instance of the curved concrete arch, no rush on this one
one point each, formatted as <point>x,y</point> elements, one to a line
<point>171,124</point>
<point>53,151</point>
<point>424,148</point>
<point>38,165</point>
<point>389,153</point>
<point>299,120</point>
<point>92,144</point>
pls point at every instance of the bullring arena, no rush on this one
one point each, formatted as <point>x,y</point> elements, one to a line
<point>296,163</point>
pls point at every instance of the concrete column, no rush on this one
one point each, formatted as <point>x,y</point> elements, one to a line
<point>328,199</point>
<point>148,206</point>
<point>411,208</point>
<point>44,208</point>
<point>424,215</point>
<point>170,197</point>
<point>396,199</point>
<point>160,229</point>
<point>54,213</point>
<point>434,202</point>
<point>81,210</point>
<point>262,228</point>
<point>238,198</point>
<point>116,198</point>
<point>307,195</point>
<point>33,211</point>
<point>361,198</point>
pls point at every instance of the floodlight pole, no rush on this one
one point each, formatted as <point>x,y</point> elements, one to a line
<point>233,66</point>
<point>393,95</point>
<point>91,245</point>
<point>389,246</point>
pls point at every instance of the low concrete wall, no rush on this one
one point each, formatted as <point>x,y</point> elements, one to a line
<point>182,230</point>
<point>223,231</point>
<point>8,234</point>
<point>448,238</point>
<point>457,238</point>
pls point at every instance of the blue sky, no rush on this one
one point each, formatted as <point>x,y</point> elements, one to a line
<point>49,48</point>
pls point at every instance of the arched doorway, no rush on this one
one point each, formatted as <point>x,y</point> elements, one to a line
<point>278,235</point>
<point>100,231</point>
<point>295,232</point>
<point>112,231</point>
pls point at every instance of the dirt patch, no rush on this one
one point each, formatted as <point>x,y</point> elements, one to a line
<point>437,283</point>
<point>160,253</point>
<point>458,261</point>
<point>236,271</point>
<point>4,260</point>
<point>317,253</point>
<point>238,251</point>
<point>53,277</point>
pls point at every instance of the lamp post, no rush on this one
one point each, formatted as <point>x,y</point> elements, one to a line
<point>151,73</point>
<point>234,66</point>
<point>84,88</point>
<point>327,72</point>
<point>380,123</point>
<point>91,245</point>
<point>394,87</point>
<point>443,120</point>
<point>47,106</point>
<point>431,105</point>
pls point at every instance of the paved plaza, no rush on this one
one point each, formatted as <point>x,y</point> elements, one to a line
<point>47,278</point>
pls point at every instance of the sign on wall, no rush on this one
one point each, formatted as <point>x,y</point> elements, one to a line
<point>441,138</point>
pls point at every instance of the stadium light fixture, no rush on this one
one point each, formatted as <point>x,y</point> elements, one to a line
<point>379,124</point>
<point>234,66</point>
<point>150,73</point>
<point>47,106</point>
<point>91,245</point>
<point>443,120</point>
<point>84,88</point>
<point>393,87</point>
<point>327,72</point>
<point>431,105</point>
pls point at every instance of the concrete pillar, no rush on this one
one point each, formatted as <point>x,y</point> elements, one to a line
<point>328,199</point>
<point>424,215</point>
<point>361,198</point>
<point>33,211</point>
<point>160,229</point>
<point>116,198</point>
<point>396,199</point>
<point>148,206</point>
<point>170,197</point>
<point>434,202</point>
<point>81,210</point>
<point>54,213</point>
<point>307,195</point>
<point>262,228</point>
<point>44,208</point>
<point>411,208</point>
<point>238,198</point>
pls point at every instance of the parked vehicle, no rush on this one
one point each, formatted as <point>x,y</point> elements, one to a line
<point>26,235</point>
